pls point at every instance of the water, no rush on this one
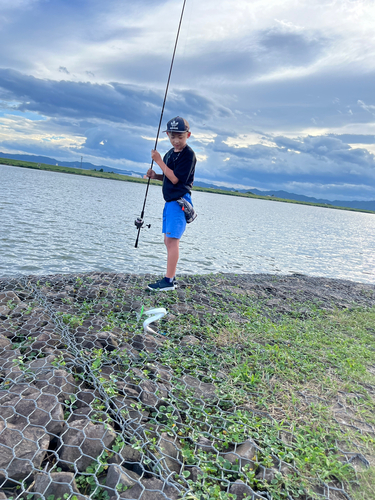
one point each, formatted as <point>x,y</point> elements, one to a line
<point>60,223</point>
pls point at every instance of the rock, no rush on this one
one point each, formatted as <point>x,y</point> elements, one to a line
<point>129,388</point>
<point>273,302</point>
<point>130,350</point>
<point>147,342</point>
<point>267,475</point>
<point>4,310</point>
<point>183,309</point>
<point>21,451</point>
<point>243,491</point>
<point>83,442</point>
<point>44,341</point>
<point>199,387</point>
<point>205,445</point>
<point>58,382</point>
<point>7,354</point>
<point>151,489</point>
<point>90,294</point>
<point>201,390</point>
<point>130,455</point>
<point>35,322</point>
<point>7,330</point>
<point>107,340</point>
<point>169,448</point>
<point>5,343</point>
<point>128,411</point>
<point>195,472</point>
<point>22,405</point>
<point>127,455</point>
<point>19,310</point>
<point>9,296</point>
<point>161,372</point>
<point>88,414</point>
<point>57,484</point>
<point>152,392</point>
<point>244,454</point>
<point>189,340</point>
<point>119,478</point>
<point>86,397</point>
<point>41,365</point>
<point>90,342</point>
<point>287,469</point>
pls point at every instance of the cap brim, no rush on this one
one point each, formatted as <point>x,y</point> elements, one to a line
<point>177,131</point>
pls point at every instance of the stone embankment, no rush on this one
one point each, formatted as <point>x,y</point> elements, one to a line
<point>93,407</point>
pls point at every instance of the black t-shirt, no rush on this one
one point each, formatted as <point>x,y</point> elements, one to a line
<point>183,166</point>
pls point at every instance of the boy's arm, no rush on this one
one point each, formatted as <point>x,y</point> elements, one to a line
<point>168,172</point>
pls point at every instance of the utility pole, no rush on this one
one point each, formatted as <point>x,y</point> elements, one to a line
<point>81,161</point>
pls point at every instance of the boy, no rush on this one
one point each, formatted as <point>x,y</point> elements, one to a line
<point>178,167</point>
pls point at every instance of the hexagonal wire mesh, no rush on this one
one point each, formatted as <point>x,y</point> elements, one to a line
<point>93,406</point>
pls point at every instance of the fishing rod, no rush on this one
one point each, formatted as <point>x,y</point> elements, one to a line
<point>139,222</point>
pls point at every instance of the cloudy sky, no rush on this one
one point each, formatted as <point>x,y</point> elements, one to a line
<point>279,94</point>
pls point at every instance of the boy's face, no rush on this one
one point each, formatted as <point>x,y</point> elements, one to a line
<point>178,139</point>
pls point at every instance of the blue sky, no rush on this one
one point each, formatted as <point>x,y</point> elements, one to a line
<point>279,94</point>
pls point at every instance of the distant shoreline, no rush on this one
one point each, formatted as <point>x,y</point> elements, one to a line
<point>128,178</point>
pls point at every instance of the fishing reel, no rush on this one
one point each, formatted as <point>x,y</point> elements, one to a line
<point>139,223</point>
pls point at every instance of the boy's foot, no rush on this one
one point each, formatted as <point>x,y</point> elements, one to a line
<point>162,286</point>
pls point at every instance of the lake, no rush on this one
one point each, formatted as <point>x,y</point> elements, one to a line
<point>61,223</point>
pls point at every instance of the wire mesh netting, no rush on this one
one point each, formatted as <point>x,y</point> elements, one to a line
<point>96,402</point>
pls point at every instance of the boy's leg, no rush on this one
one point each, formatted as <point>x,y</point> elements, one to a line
<point>174,225</point>
<point>173,251</point>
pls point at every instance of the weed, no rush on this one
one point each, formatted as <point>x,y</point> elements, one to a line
<point>88,482</point>
<point>71,320</point>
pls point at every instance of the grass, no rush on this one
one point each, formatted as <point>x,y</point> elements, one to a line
<point>297,371</point>
<point>128,178</point>
<point>71,170</point>
<point>364,488</point>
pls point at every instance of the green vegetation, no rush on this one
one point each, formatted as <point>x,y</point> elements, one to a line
<point>295,370</point>
<point>127,178</point>
<point>69,170</point>
<point>299,384</point>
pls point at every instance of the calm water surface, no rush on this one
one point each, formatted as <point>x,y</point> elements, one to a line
<point>60,223</point>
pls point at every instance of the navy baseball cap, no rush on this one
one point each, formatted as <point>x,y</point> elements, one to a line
<point>177,124</point>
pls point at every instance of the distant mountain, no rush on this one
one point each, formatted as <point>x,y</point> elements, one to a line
<point>364,205</point>
<point>71,164</point>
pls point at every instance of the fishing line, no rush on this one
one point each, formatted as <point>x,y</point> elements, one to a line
<point>139,222</point>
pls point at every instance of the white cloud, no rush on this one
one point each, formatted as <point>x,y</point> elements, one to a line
<point>246,140</point>
<point>16,129</point>
<point>370,108</point>
<point>204,137</point>
<point>368,147</point>
<point>201,158</point>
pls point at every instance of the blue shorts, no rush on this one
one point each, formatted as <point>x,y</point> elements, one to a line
<point>174,222</point>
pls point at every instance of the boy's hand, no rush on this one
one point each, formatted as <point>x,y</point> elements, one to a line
<point>150,173</point>
<point>155,156</point>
